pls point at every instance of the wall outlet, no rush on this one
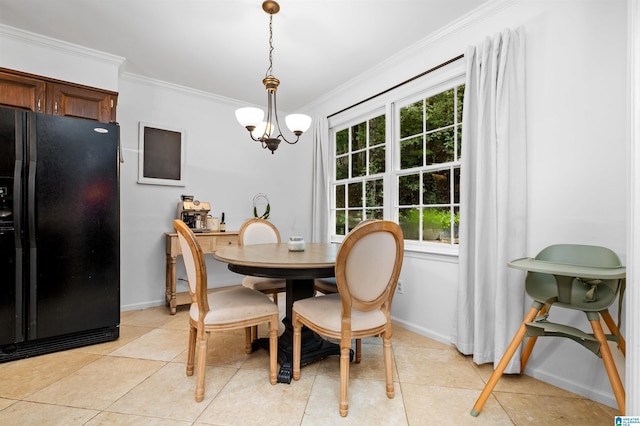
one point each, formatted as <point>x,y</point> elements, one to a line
<point>400,287</point>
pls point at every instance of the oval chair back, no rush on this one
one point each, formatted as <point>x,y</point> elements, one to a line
<point>258,231</point>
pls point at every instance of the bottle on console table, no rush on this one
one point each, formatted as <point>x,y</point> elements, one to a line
<point>223,226</point>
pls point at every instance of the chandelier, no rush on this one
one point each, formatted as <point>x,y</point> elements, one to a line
<point>268,132</point>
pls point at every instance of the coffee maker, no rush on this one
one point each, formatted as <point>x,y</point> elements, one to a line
<point>194,213</point>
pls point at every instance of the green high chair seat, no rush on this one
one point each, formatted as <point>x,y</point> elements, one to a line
<point>579,277</point>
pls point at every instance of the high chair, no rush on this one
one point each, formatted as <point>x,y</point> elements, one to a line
<point>578,277</point>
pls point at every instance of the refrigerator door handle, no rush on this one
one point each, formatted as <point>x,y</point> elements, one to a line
<point>31,222</point>
<point>17,222</point>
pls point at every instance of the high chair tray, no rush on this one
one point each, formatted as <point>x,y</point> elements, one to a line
<point>534,265</point>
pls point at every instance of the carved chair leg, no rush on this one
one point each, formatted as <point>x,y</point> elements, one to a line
<point>248,339</point>
<point>201,358</point>
<point>345,355</point>
<point>388,366</point>
<point>191,350</point>
<point>273,349</point>
<point>297,343</point>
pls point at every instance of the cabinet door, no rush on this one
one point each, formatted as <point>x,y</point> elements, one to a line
<point>22,92</point>
<point>79,102</point>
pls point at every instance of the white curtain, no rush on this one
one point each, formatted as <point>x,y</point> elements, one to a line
<point>493,188</point>
<point>320,208</point>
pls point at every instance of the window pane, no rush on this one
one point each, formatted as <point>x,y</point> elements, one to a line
<point>411,153</point>
<point>440,110</point>
<point>377,130</point>
<point>342,142</point>
<point>355,194</point>
<point>375,195</point>
<point>340,196</point>
<point>410,223</point>
<point>460,102</point>
<point>456,185</point>
<point>375,214</point>
<point>342,167</point>
<point>445,236</point>
<point>359,136</point>
<point>355,217</point>
<point>435,221</point>
<point>340,221</point>
<point>411,118</point>
<point>436,187</point>
<point>409,190</point>
<point>456,222</point>
<point>459,131</point>
<point>359,164</point>
<point>439,147</point>
<point>376,160</point>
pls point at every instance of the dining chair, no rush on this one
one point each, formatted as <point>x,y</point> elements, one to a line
<point>329,286</point>
<point>261,231</point>
<point>225,309</point>
<point>367,268</point>
<point>572,276</point>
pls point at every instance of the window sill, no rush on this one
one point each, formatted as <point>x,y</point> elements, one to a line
<point>432,251</point>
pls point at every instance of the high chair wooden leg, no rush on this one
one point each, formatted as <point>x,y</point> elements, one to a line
<point>497,373</point>
<point>609,365</point>
<point>614,330</point>
<point>530,344</point>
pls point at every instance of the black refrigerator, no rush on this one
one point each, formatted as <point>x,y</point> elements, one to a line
<point>59,233</point>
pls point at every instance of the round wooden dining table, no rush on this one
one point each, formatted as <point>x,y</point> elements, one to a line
<point>299,269</point>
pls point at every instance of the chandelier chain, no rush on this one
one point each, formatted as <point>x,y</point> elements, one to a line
<point>270,69</point>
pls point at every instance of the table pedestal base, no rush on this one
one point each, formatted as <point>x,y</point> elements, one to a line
<point>314,348</point>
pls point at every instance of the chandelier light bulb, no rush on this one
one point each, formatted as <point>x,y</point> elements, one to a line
<point>262,130</point>
<point>249,117</point>
<point>298,123</point>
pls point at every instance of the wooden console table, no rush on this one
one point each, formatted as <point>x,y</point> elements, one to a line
<point>209,241</point>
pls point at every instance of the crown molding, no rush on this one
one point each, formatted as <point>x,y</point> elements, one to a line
<point>51,43</point>
<point>148,81</point>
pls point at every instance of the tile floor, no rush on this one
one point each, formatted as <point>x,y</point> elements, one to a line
<point>140,380</point>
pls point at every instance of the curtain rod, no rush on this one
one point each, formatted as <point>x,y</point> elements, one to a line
<point>399,84</point>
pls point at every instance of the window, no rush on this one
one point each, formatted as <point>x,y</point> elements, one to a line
<point>401,161</point>
<point>360,164</point>
<point>428,176</point>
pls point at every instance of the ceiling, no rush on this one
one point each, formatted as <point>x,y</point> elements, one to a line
<point>221,46</point>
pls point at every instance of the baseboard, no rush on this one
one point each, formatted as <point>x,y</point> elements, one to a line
<point>143,305</point>
<point>589,393</point>
<point>423,331</point>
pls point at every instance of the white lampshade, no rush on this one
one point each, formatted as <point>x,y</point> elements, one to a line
<point>260,130</point>
<point>298,122</point>
<point>249,116</point>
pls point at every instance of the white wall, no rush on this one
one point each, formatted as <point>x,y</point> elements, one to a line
<point>576,112</point>
<point>576,128</point>
<point>224,167</point>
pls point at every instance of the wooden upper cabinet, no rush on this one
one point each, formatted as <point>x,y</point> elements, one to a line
<point>42,94</point>
<point>18,91</point>
<point>72,101</point>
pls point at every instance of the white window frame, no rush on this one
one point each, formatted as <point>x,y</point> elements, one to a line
<point>390,103</point>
